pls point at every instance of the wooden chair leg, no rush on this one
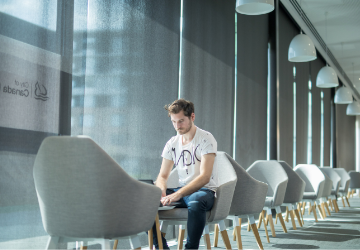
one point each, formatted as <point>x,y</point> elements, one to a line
<point>282,222</point>
<point>269,217</point>
<point>234,234</point>
<point>323,210</point>
<point>293,219</point>
<point>327,208</point>
<point>85,247</point>
<point>303,208</point>
<point>310,207</point>
<point>150,240</point>
<point>335,208</point>
<point>343,202</point>
<point>320,212</point>
<point>298,216</point>
<point>261,215</point>
<point>314,212</point>
<point>224,235</point>
<point>331,205</point>
<point>347,201</point>
<point>158,233</point>
<point>216,235</point>
<point>286,215</point>
<point>237,231</point>
<point>257,237</point>
<point>248,227</point>
<point>266,231</point>
<point>207,237</point>
<point>180,237</point>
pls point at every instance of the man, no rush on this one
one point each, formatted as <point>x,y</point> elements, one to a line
<point>193,152</point>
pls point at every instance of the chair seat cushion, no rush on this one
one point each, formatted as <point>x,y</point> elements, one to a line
<point>309,196</point>
<point>177,214</point>
<point>269,201</point>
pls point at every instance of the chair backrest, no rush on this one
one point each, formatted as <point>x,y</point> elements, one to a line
<point>327,186</point>
<point>84,193</point>
<point>355,179</point>
<point>249,195</point>
<point>333,176</point>
<point>313,177</point>
<point>295,187</point>
<point>272,173</point>
<point>345,179</point>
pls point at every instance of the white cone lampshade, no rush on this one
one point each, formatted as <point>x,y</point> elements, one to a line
<point>343,96</point>
<point>327,78</point>
<point>353,108</point>
<point>254,7</point>
<point>301,49</point>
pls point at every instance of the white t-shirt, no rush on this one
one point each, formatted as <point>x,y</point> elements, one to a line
<point>187,158</point>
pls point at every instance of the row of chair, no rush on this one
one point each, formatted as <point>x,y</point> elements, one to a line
<point>84,195</point>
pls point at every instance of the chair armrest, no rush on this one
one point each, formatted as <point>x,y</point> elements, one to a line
<point>223,198</point>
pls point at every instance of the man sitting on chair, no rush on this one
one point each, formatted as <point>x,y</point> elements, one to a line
<point>193,152</point>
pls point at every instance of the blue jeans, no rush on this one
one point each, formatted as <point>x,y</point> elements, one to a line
<point>197,204</point>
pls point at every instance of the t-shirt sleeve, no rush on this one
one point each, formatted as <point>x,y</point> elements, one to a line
<point>209,145</point>
<point>167,152</point>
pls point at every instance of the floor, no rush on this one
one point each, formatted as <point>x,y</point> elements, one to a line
<point>338,231</point>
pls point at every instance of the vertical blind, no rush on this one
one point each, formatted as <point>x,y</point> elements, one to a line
<point>252,73</point>
<point>345,137</point>
<point>327,126</point>
<point>127,73</point>
<point>207,66</point>
<point>286,80</point>
<point>315,67</point>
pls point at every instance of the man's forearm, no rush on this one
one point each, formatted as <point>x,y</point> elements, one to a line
<point>194,185</point>
<point>161,183</point>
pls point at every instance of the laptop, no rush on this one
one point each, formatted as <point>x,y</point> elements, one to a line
<point>151,182</point>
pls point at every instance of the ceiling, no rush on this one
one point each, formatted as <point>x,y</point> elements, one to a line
<point>339,29</point>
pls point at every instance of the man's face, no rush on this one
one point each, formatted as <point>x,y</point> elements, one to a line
<point>182,123</point>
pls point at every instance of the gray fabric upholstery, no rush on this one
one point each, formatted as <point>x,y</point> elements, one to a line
<point>355,179</point>
<point>272,173</point>
<point>295,187</point>
<point>335,178</point>
<point>314,179</point>
<point>327,186</point>
<point>249,196</point>
<point>84,193</point>
<point>345,179</point>
<point>310,196</point>
<point>224,193</point>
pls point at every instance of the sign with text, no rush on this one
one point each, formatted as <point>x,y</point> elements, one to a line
<point>29,95</point>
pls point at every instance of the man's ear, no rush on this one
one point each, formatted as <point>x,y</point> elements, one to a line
<point>193,117</point>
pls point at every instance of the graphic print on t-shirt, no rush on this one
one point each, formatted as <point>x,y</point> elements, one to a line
<point>187,158</point>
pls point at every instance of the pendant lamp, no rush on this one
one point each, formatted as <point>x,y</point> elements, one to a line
<point>353,108</point>
<point>301,49</point>
<point>343,96</point>
<point>327,77</point>
<point>254,7</point>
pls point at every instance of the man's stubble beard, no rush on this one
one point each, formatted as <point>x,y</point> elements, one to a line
<point>187,130</point>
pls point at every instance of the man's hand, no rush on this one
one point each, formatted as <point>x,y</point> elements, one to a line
<point>171,198</point>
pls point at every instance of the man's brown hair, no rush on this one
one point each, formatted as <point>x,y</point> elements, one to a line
<point>180,104</point>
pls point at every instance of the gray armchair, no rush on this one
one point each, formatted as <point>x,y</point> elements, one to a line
<point>335,178</point>
<point>315,181</point>
<point>219,212</point>
<point>294,193</point>
<point>344,184</point>
<point>84,195</point>
<point>273,174</point>
<point>249,199</point>
<point>355,181</point>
